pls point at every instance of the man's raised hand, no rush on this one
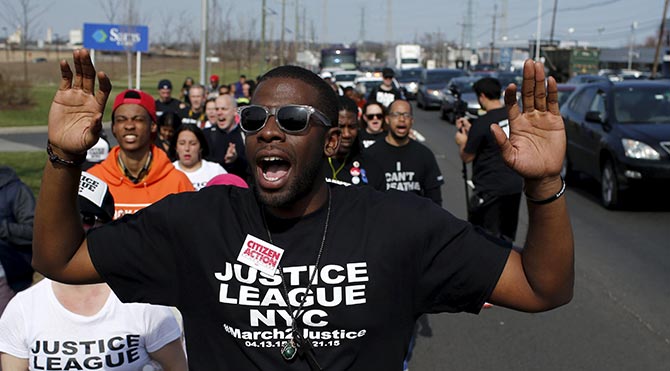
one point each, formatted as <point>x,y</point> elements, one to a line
<point>75,116</point>
<point>536,145</point>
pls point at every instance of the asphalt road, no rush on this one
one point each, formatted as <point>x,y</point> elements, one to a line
<point>618,319</point>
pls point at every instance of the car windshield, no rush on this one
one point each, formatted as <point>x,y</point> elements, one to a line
<point>345,77</point>
<point>463,86</point>
<point>435,77</point>
<point>642,104</point>
<point>409,75</point>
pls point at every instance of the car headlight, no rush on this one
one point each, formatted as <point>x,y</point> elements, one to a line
<point>636,149</point>
<point>436,93</point>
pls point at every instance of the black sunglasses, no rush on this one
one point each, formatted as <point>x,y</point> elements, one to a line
<point>291,118</point>
<point>375,116</point>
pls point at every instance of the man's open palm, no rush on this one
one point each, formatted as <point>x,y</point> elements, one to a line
<point>536,145</point>
<point>75,117</point>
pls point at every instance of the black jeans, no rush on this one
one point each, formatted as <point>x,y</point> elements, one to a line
<point>499,215</point>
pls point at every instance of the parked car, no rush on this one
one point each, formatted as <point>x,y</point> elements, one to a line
<point>431,84</point>
<point>619,134</point>
<point>564,92</point>
<point>585,79</point>
<point>458,98</point>
<point>409,81</point>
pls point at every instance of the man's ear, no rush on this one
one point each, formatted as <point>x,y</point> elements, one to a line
<point>333,136</point>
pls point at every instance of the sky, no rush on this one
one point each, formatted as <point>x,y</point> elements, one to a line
<point>605,23</point>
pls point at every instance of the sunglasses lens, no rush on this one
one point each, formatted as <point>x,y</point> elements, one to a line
<point>292,118</point>
<point>252,118</point>
<point>374,116</point>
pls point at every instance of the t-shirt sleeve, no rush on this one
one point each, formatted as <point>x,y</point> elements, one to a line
<point>12,330</point>
<point>162,327</point>
<point>137,254</point>
<point>434,178</point>
<point>460,264</point>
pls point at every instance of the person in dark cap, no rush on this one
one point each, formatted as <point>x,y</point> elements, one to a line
<point>37,320</point>
<point>165,102</point>
<point>386,92</point>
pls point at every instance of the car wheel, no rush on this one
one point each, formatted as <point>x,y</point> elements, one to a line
<point>610,195</point>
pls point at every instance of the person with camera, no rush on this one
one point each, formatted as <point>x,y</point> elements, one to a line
<point>494,204</point>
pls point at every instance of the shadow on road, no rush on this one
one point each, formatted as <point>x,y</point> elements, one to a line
<point>634,200</point>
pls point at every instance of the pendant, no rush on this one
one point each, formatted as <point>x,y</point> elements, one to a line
<point>289,350</point>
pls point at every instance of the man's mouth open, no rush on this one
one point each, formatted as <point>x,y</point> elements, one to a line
<point>273,171</point>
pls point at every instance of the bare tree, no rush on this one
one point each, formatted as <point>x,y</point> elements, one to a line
<point>23,14</point>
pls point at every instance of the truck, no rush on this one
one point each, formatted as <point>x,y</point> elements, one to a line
<point>566,63</point>
<point>405,56</point>
<point>338,59</point>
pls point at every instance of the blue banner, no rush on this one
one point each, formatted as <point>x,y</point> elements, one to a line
<point>114,37</point>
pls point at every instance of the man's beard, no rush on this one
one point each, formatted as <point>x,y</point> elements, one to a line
<point>300,187</point>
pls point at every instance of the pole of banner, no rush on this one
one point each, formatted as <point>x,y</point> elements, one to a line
<point>138,69</point>
<point>92,54</point>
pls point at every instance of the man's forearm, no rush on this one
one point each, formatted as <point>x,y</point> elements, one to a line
<point>548,255</point>
<point>58,231</point>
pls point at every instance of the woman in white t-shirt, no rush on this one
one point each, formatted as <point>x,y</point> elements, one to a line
<point>190,146</point>
<point>54,326</point>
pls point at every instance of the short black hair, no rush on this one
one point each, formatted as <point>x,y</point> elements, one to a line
<point>488,86</point>
<point>346,104</point>
<point>411,110</point>
<point>169,119</point>
<point>199,134</point>
<point>326,97</point>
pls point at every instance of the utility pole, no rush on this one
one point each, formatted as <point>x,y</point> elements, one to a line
<point>361,33</point>
<point>203,40</point>
<point>660,40</point>
<point>262,64</point>
<point>493,33</point>
<point>324,33</point>
<point>633,26</point>
<point>553,23</point>
<point>539,30</point>
<point>283,29</point>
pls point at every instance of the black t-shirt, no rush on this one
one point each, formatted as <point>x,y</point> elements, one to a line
<point>188,116</point>
<point>170,106</point>
<point>385,97</point>
<point>489,172</point>
<point>368,139</point>
<point>410,168</point>
<point>218,141</point>
<point>388,258</point>
<point>353,171</point>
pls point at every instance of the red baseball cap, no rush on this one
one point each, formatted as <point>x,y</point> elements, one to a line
<point>214,78</point>
<point>132,96</point>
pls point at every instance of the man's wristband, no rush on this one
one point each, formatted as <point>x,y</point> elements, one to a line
<point>61,161</point>
<point>550,199</point>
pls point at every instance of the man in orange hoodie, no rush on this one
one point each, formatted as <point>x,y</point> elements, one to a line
<point>137,172</point>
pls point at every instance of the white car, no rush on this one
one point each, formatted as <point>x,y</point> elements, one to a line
<point>346,78</point>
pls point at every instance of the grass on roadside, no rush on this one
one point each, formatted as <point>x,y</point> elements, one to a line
<point>28,166</point>
<point>45,82</point>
